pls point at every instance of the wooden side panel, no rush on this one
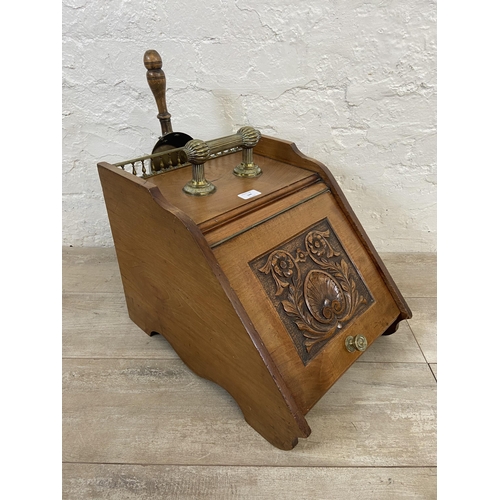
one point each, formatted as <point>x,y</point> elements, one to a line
<point>287,152</point>
<point>173,286</point>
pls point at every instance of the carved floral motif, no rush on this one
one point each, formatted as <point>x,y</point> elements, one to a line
<point>316,285</point>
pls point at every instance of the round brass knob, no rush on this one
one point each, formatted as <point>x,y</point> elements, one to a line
<point>250,136</point>
<point>357,343</point>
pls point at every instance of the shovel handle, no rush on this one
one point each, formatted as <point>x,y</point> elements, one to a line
<point>158,85</point>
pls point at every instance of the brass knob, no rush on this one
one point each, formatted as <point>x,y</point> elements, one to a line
<point>197,153</point>
<point>247,168</point>
<point>357,343</point>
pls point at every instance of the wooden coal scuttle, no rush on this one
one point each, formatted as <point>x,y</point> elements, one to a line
<point>246,256</point>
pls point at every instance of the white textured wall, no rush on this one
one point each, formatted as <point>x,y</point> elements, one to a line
<point>352,83</point>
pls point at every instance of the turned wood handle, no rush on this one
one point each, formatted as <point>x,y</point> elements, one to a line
<point>158,85</point>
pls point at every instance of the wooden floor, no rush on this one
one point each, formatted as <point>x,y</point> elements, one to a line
<point>138,424</point>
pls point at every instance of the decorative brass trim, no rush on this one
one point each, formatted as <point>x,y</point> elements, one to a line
<point>247,168</point>
<point>198,152</point>
<point>357,343</point>
<point>164,161</point>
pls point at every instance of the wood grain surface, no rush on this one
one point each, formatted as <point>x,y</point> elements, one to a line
<point>217,318</point>
<point>417,272</point>
<point>159,482</point>
<point>174,286</point>
<point>91,323</point>
<point>308,383</point>
<point>129,400</point>
<point>288,153</point>
<point>158,412</point>
<point>424,326</point>
<point>225,199</point>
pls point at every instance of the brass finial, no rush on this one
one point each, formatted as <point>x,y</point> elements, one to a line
<point>247,168</point>
<point>197,153</point>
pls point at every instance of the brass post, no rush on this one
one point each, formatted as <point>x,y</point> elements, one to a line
<point>197,153</point>
<point>247,168</point>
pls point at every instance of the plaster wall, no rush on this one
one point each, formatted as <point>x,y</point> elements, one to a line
<point>352,83</point>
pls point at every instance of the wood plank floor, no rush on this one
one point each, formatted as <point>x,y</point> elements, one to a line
<point>138,424</point>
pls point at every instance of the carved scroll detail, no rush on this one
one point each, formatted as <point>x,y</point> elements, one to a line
<point>316,287</point>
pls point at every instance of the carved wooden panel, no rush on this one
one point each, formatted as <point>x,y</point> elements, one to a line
<point>314,286</point>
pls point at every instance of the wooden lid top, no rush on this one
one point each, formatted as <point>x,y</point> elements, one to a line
<point>277,180</point>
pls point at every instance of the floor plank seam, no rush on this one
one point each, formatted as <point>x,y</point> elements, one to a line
<point>432,371</point>
<point>86,358</point>
<point>418,343</point>
<point>109,405</point>
<point>135,464</point>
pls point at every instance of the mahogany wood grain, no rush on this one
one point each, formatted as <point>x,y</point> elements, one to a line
<point>249,218</point>
<point>307,383</point>
<point>288,152</point>
<point>206,210</point>
<point>185,263</point>
<point>173,285</point>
